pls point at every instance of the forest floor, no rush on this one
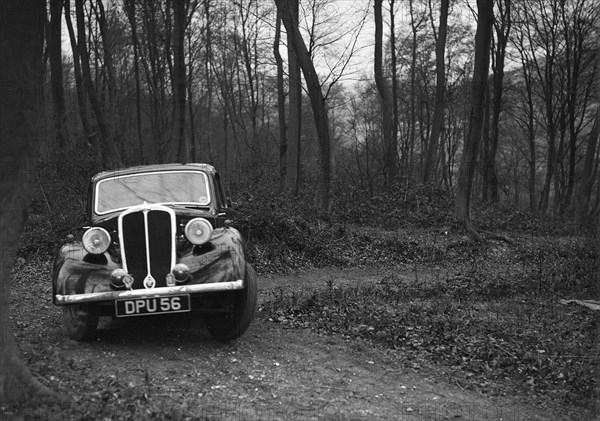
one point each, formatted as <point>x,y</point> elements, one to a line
<point>169,368</point>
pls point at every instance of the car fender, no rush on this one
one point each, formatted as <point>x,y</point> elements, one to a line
<point>223,262</point>
<point>78,272</point>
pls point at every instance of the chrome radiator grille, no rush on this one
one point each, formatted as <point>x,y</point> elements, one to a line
<point>147,237</point>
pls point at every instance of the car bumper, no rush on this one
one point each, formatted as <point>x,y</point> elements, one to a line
<point>154,292</point>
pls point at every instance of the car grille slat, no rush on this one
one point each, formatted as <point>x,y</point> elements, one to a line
<point>160,245</point>
<point>147,244</point>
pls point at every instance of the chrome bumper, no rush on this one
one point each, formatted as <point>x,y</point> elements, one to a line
<point>135,293</point>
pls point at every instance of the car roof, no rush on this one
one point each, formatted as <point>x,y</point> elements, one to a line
<point>153,168</point>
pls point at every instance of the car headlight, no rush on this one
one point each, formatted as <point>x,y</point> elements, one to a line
<point>96,240</point>
<point>198,231</point>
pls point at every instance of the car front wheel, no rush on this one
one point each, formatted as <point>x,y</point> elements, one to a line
<point>234,323</point>
<point>81,321</point>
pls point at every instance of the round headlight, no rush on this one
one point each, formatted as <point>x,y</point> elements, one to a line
<point>96,240</point>
<point>198,231</point>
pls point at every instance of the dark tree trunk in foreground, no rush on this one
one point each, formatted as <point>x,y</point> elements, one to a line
<point>469,157</point>
<point>21,78</point>
<point>317,101</point>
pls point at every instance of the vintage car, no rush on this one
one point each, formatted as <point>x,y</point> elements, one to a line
<point>158,242</point>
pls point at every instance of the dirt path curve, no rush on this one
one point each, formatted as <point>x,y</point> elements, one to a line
<point>271,373</point>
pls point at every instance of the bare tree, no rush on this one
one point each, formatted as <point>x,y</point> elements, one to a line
<point>523,112</point>
<point>469,157</point>
<point>130,11</point>
<point>56,78</point>
<point>79,85</point>
<point>21,47</point>
<point>502,27</point>
<point>416,20</point>
<point>182,146</point>
<point>431,156</point>
<point>387,108</point>
<point>577,20</point>
<point>280,104</point>
<point>584,194</point>
<point>295,109</point>
<point>110,154</point>
<point>541,32</point>
<point>317,100</point>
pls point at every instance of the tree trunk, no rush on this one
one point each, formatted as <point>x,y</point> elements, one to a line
<point>130,12</point>
<point>280,105</point>
<point>384,95</point>
<point>412,136</point>
<point>392,147</point>
<point>295,111</point>
<point>182,144</point>
<point>440,94</point>
<point>469,156</point>
<point>317,102</point>
<point>550,166</point>
<point>485,149</point>
<point>56,80</point>
<point>209,81</point>
<point>111,158</point>
<point>584,192</point>
<point>190,96</point>
<point>21,49</point>
<point>109,69</point>
<point>79,85</point>
<point>503,26</point>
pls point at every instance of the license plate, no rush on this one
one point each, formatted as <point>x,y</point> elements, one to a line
<point>152,305</point>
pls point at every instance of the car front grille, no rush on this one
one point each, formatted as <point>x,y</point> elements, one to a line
<point>147,237</point>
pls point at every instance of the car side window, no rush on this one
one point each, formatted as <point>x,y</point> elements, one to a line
<point>220,194</point>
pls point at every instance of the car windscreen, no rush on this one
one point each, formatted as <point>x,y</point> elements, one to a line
<point>168,187</point>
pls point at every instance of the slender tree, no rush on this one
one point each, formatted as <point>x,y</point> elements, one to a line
<point>392,147</point>
<point>294,147</point>
<point>130,11</point>
<point>502,26</point>
<point>280,104</point>
<point>440,94</point>
<point>317,100</point>
<point>469,157</point>
<point>56,70</point>
<point>386,98</point>
<point>587,176</point>
<point>21,78</point>
<point>111,158</point>
<point>79,85</point>
<point>182,145</point>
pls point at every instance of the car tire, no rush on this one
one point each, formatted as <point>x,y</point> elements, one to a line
<point>232,325</point>
<point>81,321</point>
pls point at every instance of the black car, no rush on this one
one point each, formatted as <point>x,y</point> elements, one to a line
<point>158,242</point>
